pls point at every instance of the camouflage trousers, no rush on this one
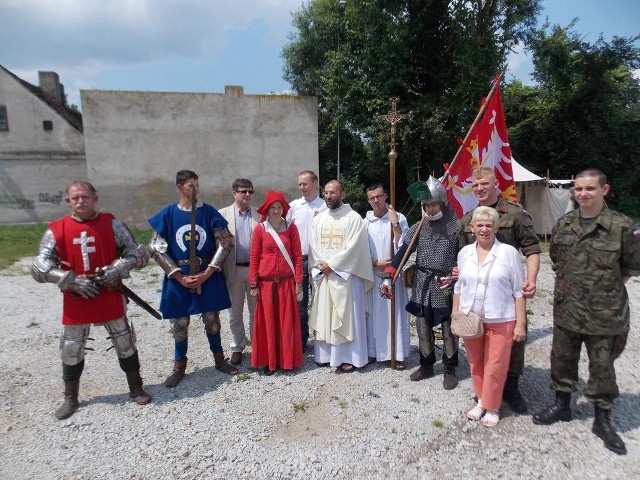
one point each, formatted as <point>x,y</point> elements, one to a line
<point>516,361</point>
<point>602,350</point>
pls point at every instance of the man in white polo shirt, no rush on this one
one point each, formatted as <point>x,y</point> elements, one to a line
<point>301,214</point>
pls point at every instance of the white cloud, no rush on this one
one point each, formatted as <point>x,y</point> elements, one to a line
<point>83,39</point>
<point>520,65</point>
<point>76,32</point>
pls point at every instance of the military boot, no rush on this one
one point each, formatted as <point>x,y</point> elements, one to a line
<point>559,410</point>
<point>224,367</point>
<point>512,395</point>
<point>602,428</point>
<point>70,404</point>
<point>422,372</point>
<point>179,367</point>
<point>450,380</point>
<point>135,388</point>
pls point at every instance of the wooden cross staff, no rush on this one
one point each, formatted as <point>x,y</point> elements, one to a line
<point>393,117</point>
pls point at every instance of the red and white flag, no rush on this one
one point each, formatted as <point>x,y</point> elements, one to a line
<point>487,145</point>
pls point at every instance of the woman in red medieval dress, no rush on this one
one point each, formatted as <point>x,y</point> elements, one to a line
<point>275,275</point>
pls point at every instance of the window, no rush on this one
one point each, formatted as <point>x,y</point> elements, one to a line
<point>4,121</point>
<point>47,125</point>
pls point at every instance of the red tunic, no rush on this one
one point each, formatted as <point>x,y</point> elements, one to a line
<point>84,246</point>
<point>275,340</point>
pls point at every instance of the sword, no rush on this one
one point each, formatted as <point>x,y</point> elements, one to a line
<point>193,268</point>
<point>127,292</point>
<point>130,294</point>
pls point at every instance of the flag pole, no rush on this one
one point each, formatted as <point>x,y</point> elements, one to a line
<point>483,107</point>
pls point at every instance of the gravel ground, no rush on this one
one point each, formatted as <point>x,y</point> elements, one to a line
<point>311,423</point>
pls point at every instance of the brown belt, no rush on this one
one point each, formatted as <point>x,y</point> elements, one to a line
<point>274,279</point>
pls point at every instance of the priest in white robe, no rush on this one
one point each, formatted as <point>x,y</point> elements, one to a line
<point>380,223</point>
<point>342,274</point>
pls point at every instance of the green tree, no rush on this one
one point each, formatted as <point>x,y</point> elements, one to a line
<point>438,56</point>
<point>585,110</point>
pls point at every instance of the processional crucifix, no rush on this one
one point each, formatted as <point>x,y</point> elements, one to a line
<point>393,117</point>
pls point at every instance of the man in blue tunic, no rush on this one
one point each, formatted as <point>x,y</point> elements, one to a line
<point>201,289</point>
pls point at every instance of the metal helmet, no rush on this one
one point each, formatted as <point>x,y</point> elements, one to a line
<point>438,192</point>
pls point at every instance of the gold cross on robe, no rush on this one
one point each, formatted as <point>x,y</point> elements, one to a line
<point>329,234</point>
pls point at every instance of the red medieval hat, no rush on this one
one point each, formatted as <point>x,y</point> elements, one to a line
<point>273,196</point>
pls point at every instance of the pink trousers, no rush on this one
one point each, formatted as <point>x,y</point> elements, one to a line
<point>489,361</point>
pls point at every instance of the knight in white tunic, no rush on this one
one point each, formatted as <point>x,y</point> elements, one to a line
<point>342,274</point>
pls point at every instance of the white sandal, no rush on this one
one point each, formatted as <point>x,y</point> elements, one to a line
<point>491,418</point>
<point>476,412</point>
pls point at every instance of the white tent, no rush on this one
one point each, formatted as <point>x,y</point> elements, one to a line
<point>545,200</point>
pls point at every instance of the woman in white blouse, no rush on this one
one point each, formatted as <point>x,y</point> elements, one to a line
<point>489,284</point>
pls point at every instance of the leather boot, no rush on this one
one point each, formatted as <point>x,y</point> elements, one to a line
<point>602,428</point>
<point>70,404</point>
<point>421,373</point>
<point>135,388</point>
<point>512,395</point>
<point>224,367</point>
<point>559,410</point>
<point>450,380</point>
<point>179,367</point>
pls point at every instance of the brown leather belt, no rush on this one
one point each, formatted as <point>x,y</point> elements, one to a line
<point>274,279</point>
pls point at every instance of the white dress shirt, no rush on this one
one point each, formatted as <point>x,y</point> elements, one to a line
<point>301,213</point>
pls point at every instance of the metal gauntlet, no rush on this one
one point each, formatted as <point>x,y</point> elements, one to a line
<point>225,242</point>
<point>158,251</point>
<point>80,284</point>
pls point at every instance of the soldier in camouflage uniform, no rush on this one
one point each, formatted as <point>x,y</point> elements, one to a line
<point>516,229</point>
<point>594,252</point>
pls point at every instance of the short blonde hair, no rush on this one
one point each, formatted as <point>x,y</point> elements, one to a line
<point>481,171</point>
<point>485,214</point>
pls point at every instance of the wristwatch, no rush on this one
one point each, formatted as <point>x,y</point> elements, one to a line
<point>253,285</point>
<point>395,224</point>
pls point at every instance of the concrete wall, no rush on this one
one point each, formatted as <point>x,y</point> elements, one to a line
<point>136,141</point>
<point>35,165</point>
<point>32,189</point>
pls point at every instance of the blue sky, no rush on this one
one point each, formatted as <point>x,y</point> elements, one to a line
<point>202,45</point>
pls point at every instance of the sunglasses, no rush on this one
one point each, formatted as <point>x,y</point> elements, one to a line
<point>245,192</point>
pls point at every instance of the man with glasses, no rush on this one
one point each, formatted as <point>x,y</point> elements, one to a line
<point>242,218</point>
<point>301,212</point>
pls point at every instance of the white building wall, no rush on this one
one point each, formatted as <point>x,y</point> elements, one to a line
<point>35,165</point>
<point>25,113</point>
<point>137,141</point>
